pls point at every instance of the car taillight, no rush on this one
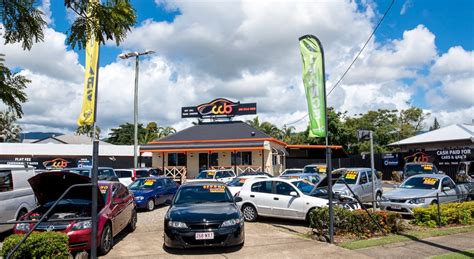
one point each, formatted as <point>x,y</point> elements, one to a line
<point>237,194</point>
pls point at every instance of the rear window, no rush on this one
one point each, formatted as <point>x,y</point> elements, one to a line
<point>265,187</point>
<point>206,175</point>
<point>123,173</point>
<point>142,173</point>
<point>6,181</point>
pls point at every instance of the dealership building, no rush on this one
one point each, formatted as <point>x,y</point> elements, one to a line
<point>221,143</point>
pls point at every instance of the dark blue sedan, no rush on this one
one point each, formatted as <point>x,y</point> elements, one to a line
<point>152,191</point>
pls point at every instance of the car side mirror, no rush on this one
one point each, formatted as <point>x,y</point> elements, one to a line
<point>238,199</point>
<point>294,194</point>
<point>446,188</point>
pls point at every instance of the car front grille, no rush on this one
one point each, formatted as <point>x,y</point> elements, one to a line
<point>204,225</point>
<point>398,200</point>
<point>215,241</point>
<point>52,226</point>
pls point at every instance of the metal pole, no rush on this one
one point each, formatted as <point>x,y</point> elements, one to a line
<point>372,168</point>
<point>94,178</point>
<point>439,212</point>
<point>135,115</point>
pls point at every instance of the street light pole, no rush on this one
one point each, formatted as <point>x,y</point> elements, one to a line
<point>372,168</point>
<point>135,100</point>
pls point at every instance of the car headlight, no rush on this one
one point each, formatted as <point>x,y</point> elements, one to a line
<point>383,198</point>
<point>345,193</point>
<point>177,224</point>
<point>139,198</point>
<point>231,222</point>
<point>24,227</point>
<point>82,225</point>
<point>417,201</point>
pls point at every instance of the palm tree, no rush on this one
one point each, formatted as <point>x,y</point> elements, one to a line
<point>88,130</point>
<point>12,87</point>
<point>147,138</point>
<point>287,133</point>
<point>254,122</point>
<point>166,131</point>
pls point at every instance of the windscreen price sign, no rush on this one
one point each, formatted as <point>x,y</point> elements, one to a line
<point>454,155</point>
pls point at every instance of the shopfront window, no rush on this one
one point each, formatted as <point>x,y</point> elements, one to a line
<point>213,159</point>
<point>176,159</point>
<point>242,158</point>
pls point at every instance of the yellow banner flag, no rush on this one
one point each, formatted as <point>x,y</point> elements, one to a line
<point>90,83</point>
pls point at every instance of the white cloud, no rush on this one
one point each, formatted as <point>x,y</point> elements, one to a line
<point>46,9</point>
<point>406,5</point>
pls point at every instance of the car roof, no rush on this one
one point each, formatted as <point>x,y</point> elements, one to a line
<point>300,174</point>
<point>202,183</point>
<point>437,176</point>
<point>357,169</point>
<point>419,163</point>
<point>315,165</point>
<point>216,170</point>
<point>253,176</point>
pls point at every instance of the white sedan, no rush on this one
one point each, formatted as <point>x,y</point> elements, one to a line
<point>236,184</point>
<point>275,197</point>
<point>224,176</point>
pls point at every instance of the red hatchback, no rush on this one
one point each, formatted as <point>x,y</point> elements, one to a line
<point>115,205</point>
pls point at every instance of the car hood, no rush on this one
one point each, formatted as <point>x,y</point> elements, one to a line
<point>340,187</point>
<point>402,193</point>
<point>49,186</point>
<point>203,212</point>
<point>200,180</point>
<point>141,192</point>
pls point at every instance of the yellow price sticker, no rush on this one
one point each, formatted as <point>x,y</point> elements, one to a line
<point>322,170</point>
<point>427,167</point>
<point>149,182</point>
<point>429,181</point>
<point>103,188</point>
<point>211,173</point>
<point>351,175</point>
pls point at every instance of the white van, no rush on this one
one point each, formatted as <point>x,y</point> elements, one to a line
<point>16,196</point>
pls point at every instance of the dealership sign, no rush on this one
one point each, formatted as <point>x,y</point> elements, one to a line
<point>390,159</point>
<point>454,155</point>
<point>219,108</point>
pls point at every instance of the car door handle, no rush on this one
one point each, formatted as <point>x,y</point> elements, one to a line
<point>276,198</point>
<point>252,196</point>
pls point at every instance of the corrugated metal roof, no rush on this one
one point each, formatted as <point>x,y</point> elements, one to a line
<point>69,139</point>
<point>202,145</point>
<point>455,132</point>
<point>217,131</point>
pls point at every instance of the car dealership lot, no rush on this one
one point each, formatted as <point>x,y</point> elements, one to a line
<point>266,238</point>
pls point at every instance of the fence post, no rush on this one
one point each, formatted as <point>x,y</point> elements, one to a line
<point>439,213</point>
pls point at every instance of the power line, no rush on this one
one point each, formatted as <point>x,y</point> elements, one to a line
<point>306,115</point>
<point>362,49</point>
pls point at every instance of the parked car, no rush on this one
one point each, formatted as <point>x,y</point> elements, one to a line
<point>313,178</point>
<point>115,206</point>
<point>465,172</point>
<point>203,214</point>
<point>224,176</point>
<point>151,191</point>
<point>127,176</point>
<point>315,168</point>
<point>360,181</point>
<point>255,173</point>
<point>419,191</point>
<point>292,171</point>
<point>103,173</point>
<point>276,197</point>
<point>236,184</point>
<point>16,196</point>
<point>411,169</point>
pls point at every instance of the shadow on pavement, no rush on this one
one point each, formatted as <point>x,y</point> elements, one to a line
<point>202,250</point>
<point>5,235</point>
<point>454,250</point>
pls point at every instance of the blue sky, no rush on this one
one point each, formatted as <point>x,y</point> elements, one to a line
<point>247,51</point>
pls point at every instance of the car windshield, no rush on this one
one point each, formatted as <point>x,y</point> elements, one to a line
<point>206,175</point>
<point>293,171</point>
<point>425,183</point>
<point>237,182</point>
<point>142,183</point>
<point>105,173</point>
<point>314,169</point>
<point>83,172</point>
<point>413,169</point>
<point>202,194</point>
<point>304,186</point>
<point>350,177</point>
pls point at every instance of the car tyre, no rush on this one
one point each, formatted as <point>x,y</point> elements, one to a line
<point>21,214</point>
<point>250,213</point>
<point>106,240</point>
<point>132,225</point>
<point>150,205</point>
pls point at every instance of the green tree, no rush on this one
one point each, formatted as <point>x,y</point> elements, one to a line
<point>123,134</point>
<point>88,130</point>
<point>266,127</point>
<point>166,131</point>
<point>435,125</point>
<point>9,130</point>
<point>12,86</point>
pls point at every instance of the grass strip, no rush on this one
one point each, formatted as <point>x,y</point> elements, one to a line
<point>461,255</point>
<point>408,236</point>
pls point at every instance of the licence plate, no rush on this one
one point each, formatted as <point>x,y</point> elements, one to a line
<point>396,207</point>
<point>204,235</point>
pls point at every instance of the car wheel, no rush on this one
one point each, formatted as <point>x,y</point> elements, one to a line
<point>21,214</point>
<point>150,205</point>
<point>132,225</point>
<point>106,240</point>
<point>250,213</point>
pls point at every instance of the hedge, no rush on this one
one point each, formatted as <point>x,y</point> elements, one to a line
<point>38,245</point>
<point>355,222</point>
<point>451,213</point>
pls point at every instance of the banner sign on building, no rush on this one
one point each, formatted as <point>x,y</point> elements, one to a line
<point>390,159</point>
<point>454,155</point>
<point>418,157</point>
<point>314,85</point>
<point>219,108</point>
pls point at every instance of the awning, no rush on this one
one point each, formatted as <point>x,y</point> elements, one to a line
<point>194,147</point>
<point>278,151</point>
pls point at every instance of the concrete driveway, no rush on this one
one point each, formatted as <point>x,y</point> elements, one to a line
<point>266,239</point>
